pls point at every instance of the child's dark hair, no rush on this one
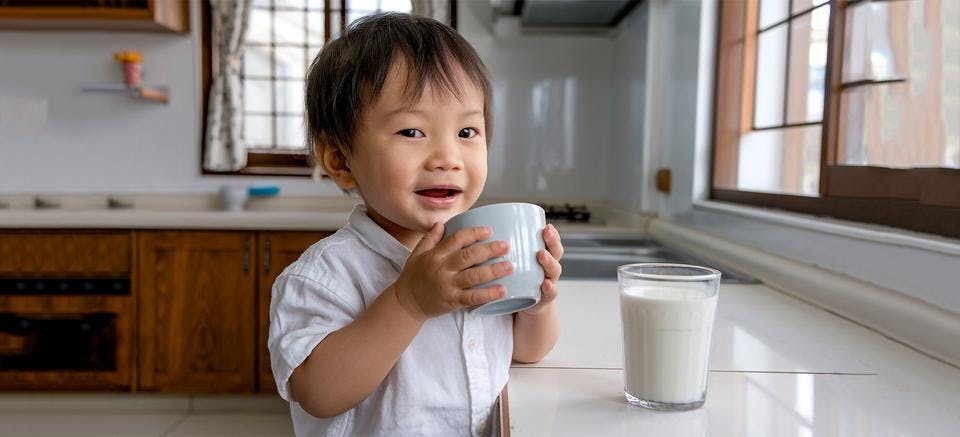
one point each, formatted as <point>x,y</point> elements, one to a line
<point>348,74</point>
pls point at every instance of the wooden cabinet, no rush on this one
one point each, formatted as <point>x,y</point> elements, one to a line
<point>71,253</point>
<point>123,15</point>
<point>107,356</point>
<point>66,310</point>
<point>186,311</point>
<point>196,311</point>
<point>277,250</point>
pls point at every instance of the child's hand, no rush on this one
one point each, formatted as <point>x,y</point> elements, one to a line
<point>438,273</point>
<point>550,261</point>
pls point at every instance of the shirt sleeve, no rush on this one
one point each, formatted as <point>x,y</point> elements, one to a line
<point>302,313</point>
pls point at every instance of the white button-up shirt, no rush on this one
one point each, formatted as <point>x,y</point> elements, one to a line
<point>445,382</point>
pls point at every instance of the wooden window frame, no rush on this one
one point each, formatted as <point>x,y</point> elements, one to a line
<point>263,162</point>
<point>917,199</point>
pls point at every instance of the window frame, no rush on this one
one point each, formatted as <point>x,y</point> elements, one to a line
<point>263,162</point>
<point>789,21</point>
<point>917,199</point>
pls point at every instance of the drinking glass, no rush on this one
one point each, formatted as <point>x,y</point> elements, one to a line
<point>667,313</point>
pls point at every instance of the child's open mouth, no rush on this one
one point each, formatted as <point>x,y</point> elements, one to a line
<point>438,196</point>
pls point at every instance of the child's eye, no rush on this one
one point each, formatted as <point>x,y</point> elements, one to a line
<point>411,133</point>
<point>467,132</point>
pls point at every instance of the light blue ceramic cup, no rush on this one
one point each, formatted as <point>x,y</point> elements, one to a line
<point>521,225</point>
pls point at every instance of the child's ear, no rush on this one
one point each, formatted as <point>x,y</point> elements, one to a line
<point>335,165</point>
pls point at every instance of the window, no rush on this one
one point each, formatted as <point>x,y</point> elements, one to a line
<point>843,108</point>
<point>283,37</point>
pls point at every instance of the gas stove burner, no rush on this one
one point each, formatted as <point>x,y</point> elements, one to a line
<point>567,212</point>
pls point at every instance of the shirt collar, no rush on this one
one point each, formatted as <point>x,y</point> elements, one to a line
<point>376,238</point>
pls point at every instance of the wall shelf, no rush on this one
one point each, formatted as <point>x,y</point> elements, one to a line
<point>154,93</point>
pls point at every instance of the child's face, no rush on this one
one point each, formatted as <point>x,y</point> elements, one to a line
<point>417,163</point>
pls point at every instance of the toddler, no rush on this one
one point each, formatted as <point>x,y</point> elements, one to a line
<point>370,332</point>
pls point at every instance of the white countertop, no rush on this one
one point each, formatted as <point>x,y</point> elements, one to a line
<point>221,220</point>
<point>779,367</point>
<point>205,212</point>
<point>159,219</point>
<point>177,212</point>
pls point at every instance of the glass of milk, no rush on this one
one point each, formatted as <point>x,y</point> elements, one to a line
<point>667,313</point>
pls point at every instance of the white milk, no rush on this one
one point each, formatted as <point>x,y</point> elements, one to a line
<point>666,341</point>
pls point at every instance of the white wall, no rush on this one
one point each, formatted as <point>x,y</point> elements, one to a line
<point>552,108</point>
<point>654,106</point>
<point>79,142</point>
<point>551,137</point>
<point>676,43</point>
<point>628,184</point>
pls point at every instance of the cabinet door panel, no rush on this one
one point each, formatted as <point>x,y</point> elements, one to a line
<point>197,311</point>
<point>277,251</point>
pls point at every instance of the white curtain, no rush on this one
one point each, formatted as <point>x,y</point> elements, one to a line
<point>437,9</point>
<point>225,150</point>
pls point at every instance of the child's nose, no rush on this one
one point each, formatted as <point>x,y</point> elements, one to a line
<point>445,156</point>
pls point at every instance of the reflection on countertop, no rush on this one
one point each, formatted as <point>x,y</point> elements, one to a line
<point>779,367</point>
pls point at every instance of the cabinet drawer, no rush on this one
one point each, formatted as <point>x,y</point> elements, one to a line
<point>80,253</point>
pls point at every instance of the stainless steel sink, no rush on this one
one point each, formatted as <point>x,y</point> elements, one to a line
<point>595,256</point>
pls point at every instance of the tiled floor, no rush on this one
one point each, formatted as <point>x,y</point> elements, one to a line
<point>83,415</point>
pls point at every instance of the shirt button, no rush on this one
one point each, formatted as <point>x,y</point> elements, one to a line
<point>471,344</point>
<point>481,426</point>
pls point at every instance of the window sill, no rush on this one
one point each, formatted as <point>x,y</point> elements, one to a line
<point>272,163</point>
<point>264,171</point>
<point>849,229</point>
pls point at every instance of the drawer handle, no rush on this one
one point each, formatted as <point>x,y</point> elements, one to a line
<point>246,255</point>
<point>266,256</point>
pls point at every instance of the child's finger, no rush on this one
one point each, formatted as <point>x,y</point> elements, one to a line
<point>480,296</point>
<point>472,255</point>
<point>482,274</point>
<point>552,239</point>
<point>551,267</point>
<point>430,240</point>
<point>548,291</point>
<point>464,238</point>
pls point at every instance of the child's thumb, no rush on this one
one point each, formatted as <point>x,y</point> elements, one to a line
<point>430,239</point>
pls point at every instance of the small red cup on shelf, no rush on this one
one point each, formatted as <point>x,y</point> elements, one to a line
<point>132,66</point>
<point>132,73</point>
